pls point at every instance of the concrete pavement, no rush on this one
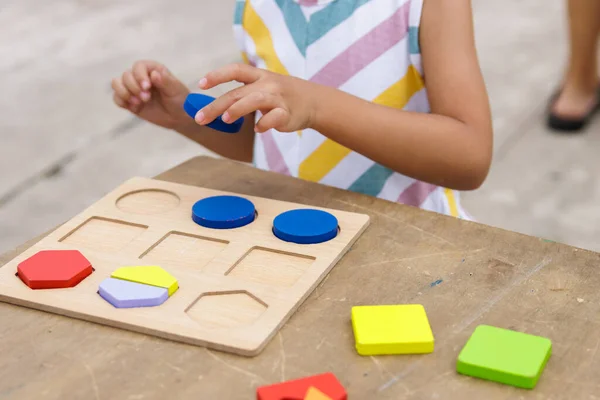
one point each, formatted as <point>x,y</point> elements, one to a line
<point>64,144</point>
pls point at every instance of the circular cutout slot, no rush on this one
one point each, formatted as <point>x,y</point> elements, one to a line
<point>148,201</point>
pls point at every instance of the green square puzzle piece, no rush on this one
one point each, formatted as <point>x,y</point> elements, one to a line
<point>504,356</point>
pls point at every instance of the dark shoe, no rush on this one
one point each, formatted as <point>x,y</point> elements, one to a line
<point>567,125</point>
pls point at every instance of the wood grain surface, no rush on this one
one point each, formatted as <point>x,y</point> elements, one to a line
<point>234,296</point>
<point>464,273</point>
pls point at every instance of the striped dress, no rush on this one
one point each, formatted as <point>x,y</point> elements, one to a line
<point>368,48</point>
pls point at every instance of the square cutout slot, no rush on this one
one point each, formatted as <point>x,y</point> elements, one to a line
<point>271,267</point>
<point>185,250</point>
<point>103,234</point>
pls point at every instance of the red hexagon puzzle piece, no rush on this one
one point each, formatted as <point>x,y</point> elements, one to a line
<point>54,269</point>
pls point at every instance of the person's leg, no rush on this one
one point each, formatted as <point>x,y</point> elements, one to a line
<point>579,91</point>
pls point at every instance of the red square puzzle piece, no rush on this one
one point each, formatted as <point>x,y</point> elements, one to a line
<point>296,389</point>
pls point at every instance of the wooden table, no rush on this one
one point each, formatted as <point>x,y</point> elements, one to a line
<point>465,274</point>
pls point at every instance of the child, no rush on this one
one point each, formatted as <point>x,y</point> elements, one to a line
<point>382,97</point>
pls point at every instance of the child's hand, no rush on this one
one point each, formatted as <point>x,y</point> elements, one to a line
<point>149,90</point>
<point>285,102</point>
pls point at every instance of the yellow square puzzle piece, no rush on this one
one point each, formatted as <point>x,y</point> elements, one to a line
<point>391,329</point>
<point>147,275</point>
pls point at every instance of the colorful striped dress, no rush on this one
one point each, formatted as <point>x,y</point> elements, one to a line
<point>368,48</point>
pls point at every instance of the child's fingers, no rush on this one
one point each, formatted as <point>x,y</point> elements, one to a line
<point>242,73</point>
<point>119,101</point>
<point>274,119</point>
<point>221,104</point>
<point>132,84</point>
<point>141,72</point>
<point>248,104</point>
<point>135,108</point>
<point>166,82</point>
<point>124,104</point>
<point>120,89</point>
<point>156,79</point>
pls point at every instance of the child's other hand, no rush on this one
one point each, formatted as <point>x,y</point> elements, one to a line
<point>285,102</point>
<point>150,91</point>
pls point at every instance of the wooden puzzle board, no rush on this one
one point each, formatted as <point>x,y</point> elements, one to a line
<point>237,287</point>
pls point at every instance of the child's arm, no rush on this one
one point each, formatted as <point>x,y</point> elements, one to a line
<point>451,147</point>
<point>153,93</point>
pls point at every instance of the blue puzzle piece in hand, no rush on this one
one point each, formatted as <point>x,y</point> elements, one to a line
<point>197,101</point>
<point>127,294</point>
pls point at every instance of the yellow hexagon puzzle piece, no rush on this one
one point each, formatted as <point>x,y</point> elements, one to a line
<point>315,394</point>
<point>148,275</point>
<point>391,329</point>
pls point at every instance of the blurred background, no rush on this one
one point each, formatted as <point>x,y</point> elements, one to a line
<point>64,144</point>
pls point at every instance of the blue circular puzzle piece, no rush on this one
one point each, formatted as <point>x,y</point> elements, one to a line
<point>197,101</point>
<point>223,212</point>
<point>305,226</point>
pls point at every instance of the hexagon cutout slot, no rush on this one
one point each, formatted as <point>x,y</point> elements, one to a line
<point>104,234</point>
<point>54,269</point>
<point>226,309</point>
